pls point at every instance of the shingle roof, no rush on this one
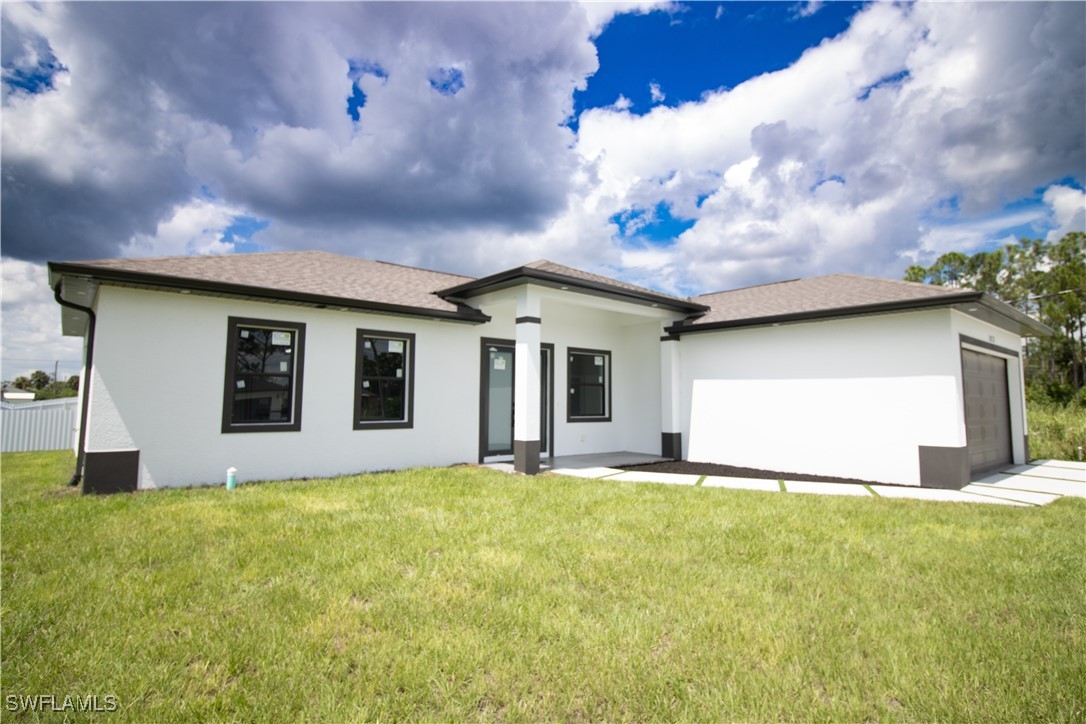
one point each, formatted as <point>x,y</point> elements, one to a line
<point>817,294</point>
<point>554,268</point>
<point>315,274</point>
<point>320,278</point>
<point>556,275</point>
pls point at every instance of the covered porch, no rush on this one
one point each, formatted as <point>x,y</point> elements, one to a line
<point>574,366</point>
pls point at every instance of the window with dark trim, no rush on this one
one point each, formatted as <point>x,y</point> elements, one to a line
<point>384,387</point>
<point>263,391</point>
<point>589,377</point>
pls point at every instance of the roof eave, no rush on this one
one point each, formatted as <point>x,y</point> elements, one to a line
<point>1026,325</point>
<point>520,275</point>
<point>994,312</point>
<point>464,312</point>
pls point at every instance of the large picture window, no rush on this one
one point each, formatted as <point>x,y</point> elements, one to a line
<point>263,376</point>
<point>384,380</point>
<point>589,376</point>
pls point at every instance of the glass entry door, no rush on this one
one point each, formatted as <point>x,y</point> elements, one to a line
<point>496,413</point>
<point>498,435</point>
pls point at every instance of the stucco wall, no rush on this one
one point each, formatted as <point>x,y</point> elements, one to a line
<point>158,387</point>
<point>159,372</point>
<point>850,398</point>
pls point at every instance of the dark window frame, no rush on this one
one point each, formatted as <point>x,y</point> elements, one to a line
<point>606,354</point>
<point>409,389</point>
<point>230,383</point>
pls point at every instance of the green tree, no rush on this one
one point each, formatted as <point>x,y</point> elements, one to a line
<point>1045,280</point>
<point>949,269</point>
<point>40,380</point>
<point>916,273</point>
<point>1063,305</point>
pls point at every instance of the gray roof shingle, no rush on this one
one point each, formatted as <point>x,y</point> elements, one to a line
<point>555,275</point>
<point>319,278</point>
<point>567,271</point>
<point>817,294</point>
<point>315,273</point>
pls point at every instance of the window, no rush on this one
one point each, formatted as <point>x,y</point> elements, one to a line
<point>589,375</point>
<point>263,376</point>
<point>384,380</point>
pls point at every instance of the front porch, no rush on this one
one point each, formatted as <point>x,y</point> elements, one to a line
<point>576,372</point>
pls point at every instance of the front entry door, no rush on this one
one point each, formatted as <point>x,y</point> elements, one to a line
<point>496,405</point>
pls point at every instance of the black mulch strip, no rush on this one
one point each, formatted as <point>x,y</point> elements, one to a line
<point>688,468</point>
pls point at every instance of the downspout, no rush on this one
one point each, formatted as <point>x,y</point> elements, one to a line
<point>88,361</point>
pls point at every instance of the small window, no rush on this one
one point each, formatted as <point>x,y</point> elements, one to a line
<point>263,376</point>
<point>384,380</point>
<point>589,375</point>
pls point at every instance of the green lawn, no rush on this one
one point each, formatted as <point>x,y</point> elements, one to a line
<point>470,594</point>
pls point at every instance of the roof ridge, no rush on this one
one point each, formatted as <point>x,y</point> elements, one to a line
<point>755,286</point>
<point>169,257</point>
<point>416,268</point>
<point>902,282</point>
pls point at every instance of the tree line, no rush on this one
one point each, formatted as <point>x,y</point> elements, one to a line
<point>45,387</point>
<point>1043,279</point>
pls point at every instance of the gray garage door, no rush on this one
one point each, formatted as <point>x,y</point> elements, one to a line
<point>987,410</point>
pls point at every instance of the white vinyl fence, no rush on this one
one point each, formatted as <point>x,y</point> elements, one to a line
<point>45,425</point>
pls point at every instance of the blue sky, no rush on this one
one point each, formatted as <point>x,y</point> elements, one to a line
<point>703,47</point>
<point>688,147</point>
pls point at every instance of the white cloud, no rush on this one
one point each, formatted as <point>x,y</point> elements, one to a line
<point>835,162</point>
<point>808,8</point>
<point>970,235</point>
<point>31,324</point>
<point>1068,209</point>
<point>600,12</point>
<point>658,95</point>
<point>195,228</point>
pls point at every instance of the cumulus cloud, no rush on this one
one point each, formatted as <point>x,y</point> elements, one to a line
<point>247,102</point>
<point>31,324</point>
<point>1068,210</point>
<point>840,160</point>
<point>198,227</point>
<point>657,94</point>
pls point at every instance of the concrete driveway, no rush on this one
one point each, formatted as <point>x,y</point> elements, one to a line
<point>1037,483</point>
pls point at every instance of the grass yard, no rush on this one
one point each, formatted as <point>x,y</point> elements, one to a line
<point>470,594</point>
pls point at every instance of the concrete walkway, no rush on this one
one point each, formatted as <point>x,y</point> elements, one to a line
<point>1038,483</point>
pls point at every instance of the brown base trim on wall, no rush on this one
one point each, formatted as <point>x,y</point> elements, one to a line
<point>944,467</point>
<point>116,471</point>
<point>1025,448</point>
<point>671,445</point>
<point>526,456</point>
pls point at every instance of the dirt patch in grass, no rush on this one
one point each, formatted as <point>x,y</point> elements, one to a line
<point>685,467</point>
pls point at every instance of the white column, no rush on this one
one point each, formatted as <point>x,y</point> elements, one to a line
<point>671,445</point>
<point>527,383</point>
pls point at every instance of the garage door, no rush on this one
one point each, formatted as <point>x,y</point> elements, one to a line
<point>987,410</point>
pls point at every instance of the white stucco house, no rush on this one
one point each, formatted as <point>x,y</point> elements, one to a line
<point>302,364</point>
